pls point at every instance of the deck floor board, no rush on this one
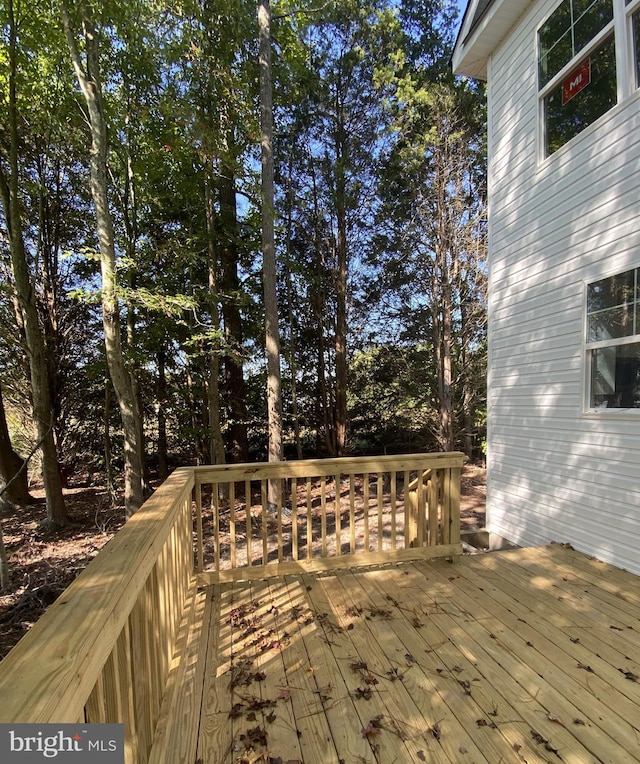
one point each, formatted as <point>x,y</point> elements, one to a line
<point>527,655</point>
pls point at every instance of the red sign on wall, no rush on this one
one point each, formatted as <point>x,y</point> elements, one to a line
<point>576,81</point>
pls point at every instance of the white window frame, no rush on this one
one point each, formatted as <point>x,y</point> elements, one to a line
<point>590,346</point>
<point>621,24</point>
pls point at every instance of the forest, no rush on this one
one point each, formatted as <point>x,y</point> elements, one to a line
<point>234,231</point>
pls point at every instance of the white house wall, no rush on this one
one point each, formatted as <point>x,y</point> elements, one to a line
<point>556,473</point>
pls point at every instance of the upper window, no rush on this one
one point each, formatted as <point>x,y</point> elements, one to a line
<point>613,341</point>
<point>569,29</point>
<point>578,60</point>
<point>635,21</point>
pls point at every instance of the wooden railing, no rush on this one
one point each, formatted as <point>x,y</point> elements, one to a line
<point>327,513</point>
<point>105,650</point>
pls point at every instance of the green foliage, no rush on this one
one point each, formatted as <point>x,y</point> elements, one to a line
<point>390,406</point>
<point>364,111</point>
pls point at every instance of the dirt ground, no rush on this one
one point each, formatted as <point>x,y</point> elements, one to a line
<point>43,564</point>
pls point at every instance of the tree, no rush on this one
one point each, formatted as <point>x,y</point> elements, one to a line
<point>43,411</point>
<point>13,472</point>
<point>434,205</point>
<point>272,331</point>
<point>89,79</point>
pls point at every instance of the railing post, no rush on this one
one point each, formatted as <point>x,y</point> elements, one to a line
<point>451,500</point>
<point>200,553</point>
<point>412,492</point>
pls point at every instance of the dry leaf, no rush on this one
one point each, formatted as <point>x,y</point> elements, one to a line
<point>373,727</point>
<point>546,743</point>
<point>466,686</point>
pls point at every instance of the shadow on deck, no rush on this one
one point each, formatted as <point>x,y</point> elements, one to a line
<point>526,655</point>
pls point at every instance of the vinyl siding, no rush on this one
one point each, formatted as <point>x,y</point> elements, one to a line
<point>555,472</point>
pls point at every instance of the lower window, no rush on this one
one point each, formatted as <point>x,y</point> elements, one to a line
<point>613,341</point>
<point>615,377</point>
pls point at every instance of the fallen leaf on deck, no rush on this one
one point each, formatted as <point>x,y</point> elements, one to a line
<point>394,674</point>
<point>421,756</point>
<point>373,727</point>
<point>485,723</point>
<point>236,710</point>
<point>256,704</point>
<point>546,743</point>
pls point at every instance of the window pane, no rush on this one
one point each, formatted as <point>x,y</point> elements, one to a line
<point>611,324</point>
<point>564,121</point>
<point>554,42</point>
<point>636,45</point>
<point>566,32</point>
<point>615,377</point>
<point>589,21</point>
<point>611,307</point>
<point>611,292</point>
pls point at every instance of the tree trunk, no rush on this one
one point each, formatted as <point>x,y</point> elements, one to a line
<point>341,283</point>
<point>442,308</point>
<point>274,396</point>
<point>318,301</point>
<point>163,457</point>
<point>233,364</point>
<point>13,470</point>
<point>4,562</point>
<point>216,442</point>
<point>106,434</point>
<point>134,377</point>
<point>40,384</point>
<point>292,324</point>
<point>90,84</point>
<point>130,219</point>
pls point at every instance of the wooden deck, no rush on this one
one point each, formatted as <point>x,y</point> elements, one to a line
<point>531,655</point>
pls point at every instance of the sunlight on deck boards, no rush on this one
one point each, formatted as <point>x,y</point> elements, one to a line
<point>531,655</point>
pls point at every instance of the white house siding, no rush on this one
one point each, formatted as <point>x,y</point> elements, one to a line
<point>556,473</point>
